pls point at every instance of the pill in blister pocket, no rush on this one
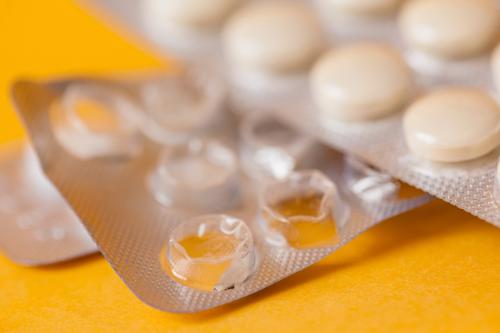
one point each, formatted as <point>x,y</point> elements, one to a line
<point>273,37</point>
<point>92,121</point>
<point>360,82</point>
<point>269,148</point>
<point>201,175</point>
<point>302,211</point>
<point>452,125</point>
<point>450,28</point>
<point>361,7</point>
<point>210,252</point>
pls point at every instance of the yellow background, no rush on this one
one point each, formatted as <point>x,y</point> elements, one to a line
<point>434,269</point>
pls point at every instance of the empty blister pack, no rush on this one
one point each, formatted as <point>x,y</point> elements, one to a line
<point>407,86</point>
<point>36,225</point>
<point>185,225</point>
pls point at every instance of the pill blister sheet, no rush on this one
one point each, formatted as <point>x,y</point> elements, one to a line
<point>36,225</point>
<point>468,185</point>
<point>117,208</point>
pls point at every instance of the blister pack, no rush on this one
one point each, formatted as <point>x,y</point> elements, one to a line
<point>194,211</point>
<point>36,225</point>
<point>407,86</point>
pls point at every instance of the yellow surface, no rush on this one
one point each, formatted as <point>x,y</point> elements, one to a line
<point>434,269</point>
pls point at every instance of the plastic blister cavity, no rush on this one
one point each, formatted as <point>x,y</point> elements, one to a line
<point>303,210</point>
<point>269,148</point>
<point>180,106</point>
<point>210,252</point>
<point>368,183</point>
<point>37,227</point>
<point>202,175</point>
<point>92,121</point>
<point>134,231</point>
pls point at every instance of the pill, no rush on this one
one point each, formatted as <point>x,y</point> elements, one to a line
<point>452,125</point>
<point>360,82</point>
<point>361,7</point>
<point>450,28</point>
<point>273,37</point>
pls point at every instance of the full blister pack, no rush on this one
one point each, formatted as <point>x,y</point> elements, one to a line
<point>407,86</point>
<point>195,206</point>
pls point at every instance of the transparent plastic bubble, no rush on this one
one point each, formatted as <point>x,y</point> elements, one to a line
<point>303,211</point>
<point>210,252</point>
<point>368,183</point>
<point>201,175</point>
<point>96,121</point>
<point>269,148</point>
<point>179,106</point>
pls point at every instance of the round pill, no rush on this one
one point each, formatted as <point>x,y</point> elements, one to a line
<point>360,82</point>
<point>452,125</point>
<point>361,7</point>
<point>495,63</point>
<point>190,13</point>
<point>450,28</point>
<point>276,37</point>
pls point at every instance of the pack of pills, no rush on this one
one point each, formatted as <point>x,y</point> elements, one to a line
<point>406,86</point>
<point>193,205</point>
<point>36,225</point>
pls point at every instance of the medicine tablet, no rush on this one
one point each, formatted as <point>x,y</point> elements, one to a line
<point>360,82</point>
<point>273,37</point>
<point>450,28</point>
<point>193,14</point>
<point>495,64</point>
<point>453,125</point>
<point>361,7</point>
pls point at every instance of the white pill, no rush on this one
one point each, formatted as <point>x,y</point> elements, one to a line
<point>495,64</point>
<point>273,37</point>
<point>360,82</point>
<point>452,125</point>
<point>361,7</point>
<point>193,14</point>
<point>450,28</point>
